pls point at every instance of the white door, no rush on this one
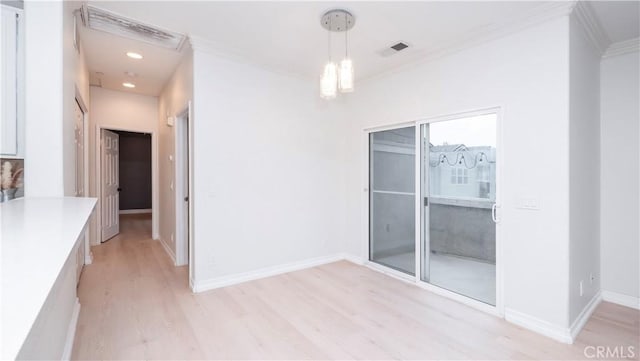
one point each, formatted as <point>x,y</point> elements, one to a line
<point>79,138</point>
<point>110,185</point>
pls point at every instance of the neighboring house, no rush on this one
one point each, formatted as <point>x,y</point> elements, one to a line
<point>458,171</point>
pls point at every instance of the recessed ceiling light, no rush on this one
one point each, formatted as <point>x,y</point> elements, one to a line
<point>133,55</point>
<point>128,85</point>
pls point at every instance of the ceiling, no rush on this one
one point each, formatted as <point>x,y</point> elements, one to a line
<point>287,36</point>
<point>619,19</point>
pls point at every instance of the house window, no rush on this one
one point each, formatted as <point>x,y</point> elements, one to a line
<point>483,173</point>
<point>459,176</point>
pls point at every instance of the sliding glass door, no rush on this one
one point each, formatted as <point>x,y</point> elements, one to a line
<point>451,209</point>
<point>458,188</point>
<point>392,198</point>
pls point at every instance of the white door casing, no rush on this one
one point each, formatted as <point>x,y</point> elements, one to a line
<point>79,139</point>
<point>110,184</point>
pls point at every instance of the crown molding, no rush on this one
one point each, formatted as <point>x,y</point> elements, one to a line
<point>585,15</point>
<point>206,46</point>
<point>622,47</point>
<point>536,16</point>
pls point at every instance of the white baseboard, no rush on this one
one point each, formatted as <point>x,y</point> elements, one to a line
<point>135,211</point>
<point>353,259</point>
<point>71,332</point>
<point>537,325</point>
<point>583,317</point>
<point>223,281</point>
<point>621,299</point>
<point>169,251</point>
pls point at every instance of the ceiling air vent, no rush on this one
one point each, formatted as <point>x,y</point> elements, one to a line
<point>103,20</point>
<point>393,49</point>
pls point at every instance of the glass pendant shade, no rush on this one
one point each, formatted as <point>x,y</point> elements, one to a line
<point>329,81</point>
<point>345,76</point>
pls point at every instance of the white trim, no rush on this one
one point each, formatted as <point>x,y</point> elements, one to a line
<point>589,21</point>
<point>537,15</point>
<point>534,16</point>
<point>135,211</point>
<point>182,130</point>
<point>71,332</point>
<point>583,317</point>
<point>622,47</point>
<point>468,301</point>
<point>353,259</point>
<point>537,325</point>
<point>206,46</point>
<point>621,299</point>
<point>155,176</point>
<point>228,280</point>
<point>399,275</point>
<point>168,250</point>
<point>498,309</point>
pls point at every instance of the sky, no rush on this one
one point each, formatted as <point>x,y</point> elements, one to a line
<point>471,131</point>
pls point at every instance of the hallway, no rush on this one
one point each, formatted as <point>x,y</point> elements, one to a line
<point>137,305</point>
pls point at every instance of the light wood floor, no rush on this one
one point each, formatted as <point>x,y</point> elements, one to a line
<point>137,305</point>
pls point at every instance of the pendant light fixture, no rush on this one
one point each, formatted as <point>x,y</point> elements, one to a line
<point>336,78</point>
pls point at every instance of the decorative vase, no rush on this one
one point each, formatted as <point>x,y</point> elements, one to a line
<point>8,194</point>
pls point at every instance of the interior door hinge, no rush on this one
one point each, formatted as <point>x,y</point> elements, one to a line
<point>426,201</point>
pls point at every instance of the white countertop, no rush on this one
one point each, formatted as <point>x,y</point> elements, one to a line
<point>37,237</point>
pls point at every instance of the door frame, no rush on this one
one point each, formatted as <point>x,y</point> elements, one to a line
<point>98,179</point>
<point>498,309</point>
<point>182,257</point>
<point>88,259</point>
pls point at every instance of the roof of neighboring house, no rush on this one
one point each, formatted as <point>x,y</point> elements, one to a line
<point>448,148</point>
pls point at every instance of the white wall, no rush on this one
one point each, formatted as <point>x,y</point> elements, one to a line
<point>55,73</point>
<point>44,173</point>
<point>268,163</point>
<point>122,111</point>
<point>75,84</point>
<point>173,100</point>
<point>584,170</point>
<point>619,139</point>
<point>527,75</point>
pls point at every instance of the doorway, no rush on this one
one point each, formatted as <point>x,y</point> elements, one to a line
<point>433,203</point>
<point>126,180</point>
<point>458,193</point>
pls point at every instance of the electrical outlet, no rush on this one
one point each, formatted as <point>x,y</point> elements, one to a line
<point>581,288</point>
<point>592,278</point>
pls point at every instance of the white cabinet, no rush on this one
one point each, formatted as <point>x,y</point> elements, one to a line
<point>12,82</point>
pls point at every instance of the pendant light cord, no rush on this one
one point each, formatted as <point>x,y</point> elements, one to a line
<point>346,38</point>
<point>329,41</point>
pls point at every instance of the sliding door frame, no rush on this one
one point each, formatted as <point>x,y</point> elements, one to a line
<point>366,252</point>
<point>498,309</point>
